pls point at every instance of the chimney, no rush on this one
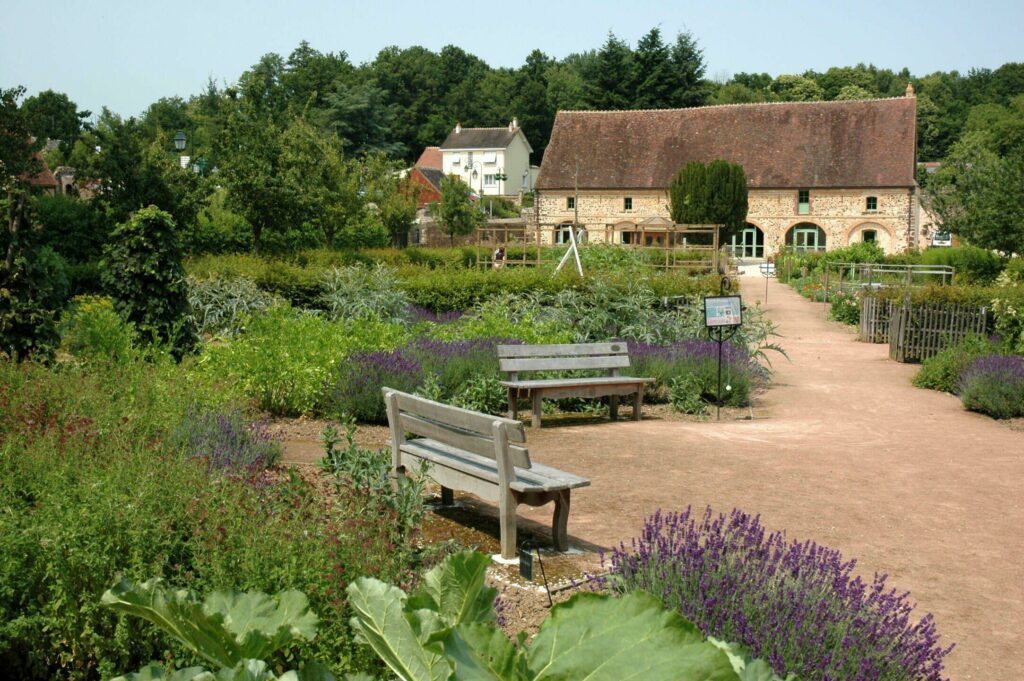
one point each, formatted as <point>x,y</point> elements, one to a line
<point>513,124</point>
<point>458,128</point>
<point>910,89</point>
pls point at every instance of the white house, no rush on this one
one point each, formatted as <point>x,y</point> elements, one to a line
<point>492,161</point>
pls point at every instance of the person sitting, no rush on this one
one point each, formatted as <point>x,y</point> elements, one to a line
<point>498,260</point>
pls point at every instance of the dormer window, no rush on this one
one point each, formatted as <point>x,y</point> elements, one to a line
<point>871,205</point>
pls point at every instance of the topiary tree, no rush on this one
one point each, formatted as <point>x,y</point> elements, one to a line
<point>455,213</point>
<point>142,271</point>
<point>711,194</point>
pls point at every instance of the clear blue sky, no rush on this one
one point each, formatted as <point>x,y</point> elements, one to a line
<point>126,54</point>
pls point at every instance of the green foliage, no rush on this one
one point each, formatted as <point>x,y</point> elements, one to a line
<point>71,227</point>
<point>973,265</point>
<point>686,394</point>
<point>92,329</point>
<point>142,271</point>
<point>367,473</point>
<point>975,194</point>
<point>942,372</point>
<point>232,632</point>
<point>363,293</point>
<point>220,306</point>
<point>52,115</point>
<point>445,630</point>
<point>91,486</point>
<point>845,308</point>
<point>711,194</point>
<point>456,214</point>
<point>284,358</point>
<point>33,283</point>
<point>482,393</point>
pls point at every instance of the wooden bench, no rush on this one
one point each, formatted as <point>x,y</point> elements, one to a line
<point>612,357</point>
<point>480,454</point>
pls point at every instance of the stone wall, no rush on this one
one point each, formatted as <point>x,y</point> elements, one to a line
<point>841,213</point>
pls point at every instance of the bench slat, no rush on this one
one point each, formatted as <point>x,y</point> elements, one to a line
<point>525,384</point>
<point>471,421</point>
<point>564,363</point>
<point>539,478</point>
<point>562,350</point>
<point>471,442</point>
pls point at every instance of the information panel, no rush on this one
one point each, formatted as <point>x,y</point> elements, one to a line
<point>723,311</point>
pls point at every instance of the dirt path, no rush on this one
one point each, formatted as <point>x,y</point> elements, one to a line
<point>844,451</point>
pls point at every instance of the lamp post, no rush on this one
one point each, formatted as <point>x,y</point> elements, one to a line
<point>477,170</point>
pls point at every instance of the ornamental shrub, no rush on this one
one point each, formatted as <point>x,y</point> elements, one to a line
<point>92,329</point>
<point>796,605</point>
<point>994,385</point>
<point>221,306</point>
<point>943,371</point>
<point>845,308</point>
<point>226,440</point>
<point>363,293</point>
<point>973,265</point>
<point>692,366</point>
<point>142,271</point>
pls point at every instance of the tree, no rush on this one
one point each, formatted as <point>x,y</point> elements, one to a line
<point>454,212</point>
<point>977,195</point>
<point>851,92</point>
<point>360,115</point>
<point>52,115</point>
<point>141,269</point>
<point>688,85</point>
<point>611,86</point>
<point>389,197</point>
<point>655,76</point>
<point>712,194</point>
<point>791,88</point>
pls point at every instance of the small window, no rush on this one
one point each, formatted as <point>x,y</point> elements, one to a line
<point>803,201</point>
<point>490,157</point>
<point>469,157</point>
<point>489,180</point>
<point>627,203</point>
<point>455,159</point>
<point>872,203</point>
<point>570,202</point>
<point>870,236</point>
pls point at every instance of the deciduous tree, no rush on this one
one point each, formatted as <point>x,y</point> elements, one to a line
<point>455,212</point>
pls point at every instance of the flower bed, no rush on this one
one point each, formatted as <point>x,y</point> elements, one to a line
<point>994,385</point>
<point>795,604</point>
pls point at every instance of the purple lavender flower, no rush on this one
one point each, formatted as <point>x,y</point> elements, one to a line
<point>994,385</point>
<point>797,605</point>
<point>226,440</point>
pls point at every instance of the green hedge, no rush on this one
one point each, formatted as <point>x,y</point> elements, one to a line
<point>433,282</point>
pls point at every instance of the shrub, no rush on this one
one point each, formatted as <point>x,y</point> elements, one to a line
<point>357,385</point>
<point>73,228</point>
<point>797,605</point>
<point>142,271</point>
<point>845,308</point>
<point>693,366</point>
<point>92,486</point>
<point>285,358</point>
<point>942,371</point>
<point>363,293</point>
<point>220,306</point>
<point>224,439</point>
<point>994,385</point>
<point>973,265</point>
<point>686,394</point>
<point>92,328</point>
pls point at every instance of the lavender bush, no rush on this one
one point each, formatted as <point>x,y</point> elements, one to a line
<point>994,385</point>
<point>796,605</point>
<point>361,375</point>
<point>227,440</point>
<point>694,363</point>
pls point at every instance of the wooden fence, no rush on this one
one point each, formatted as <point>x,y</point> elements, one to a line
<point>920,331</point>
<point>875,315</point>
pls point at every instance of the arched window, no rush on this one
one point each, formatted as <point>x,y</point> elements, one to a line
<point>805,236</point>
<point>748,243</point>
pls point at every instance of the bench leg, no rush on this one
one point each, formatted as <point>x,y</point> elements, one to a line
<point>447,497</point>
<point>560,522</point>
<point>513,407</point>
<point>535,422</point>
<point>638,402</point>
<point>507,521</point>
<point>613,406</point>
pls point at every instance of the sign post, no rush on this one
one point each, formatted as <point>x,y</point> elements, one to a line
<point>767,271</point>
<point>723,316</point>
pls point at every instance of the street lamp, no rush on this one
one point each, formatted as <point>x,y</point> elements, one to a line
<point>474,165</point>
<point>179,140</point>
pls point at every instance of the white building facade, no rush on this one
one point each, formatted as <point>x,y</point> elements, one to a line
<point>492,161</point>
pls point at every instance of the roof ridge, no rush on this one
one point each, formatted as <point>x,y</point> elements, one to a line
<point>736,105</point>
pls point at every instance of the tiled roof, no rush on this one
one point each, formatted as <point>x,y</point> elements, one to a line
<point>433,176</point>
<point>44,178</point>
<point>865,143</point>
<point>480,138</point>
<point>430,158</point>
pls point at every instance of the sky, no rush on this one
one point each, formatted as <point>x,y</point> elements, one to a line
<point>127,54</point>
